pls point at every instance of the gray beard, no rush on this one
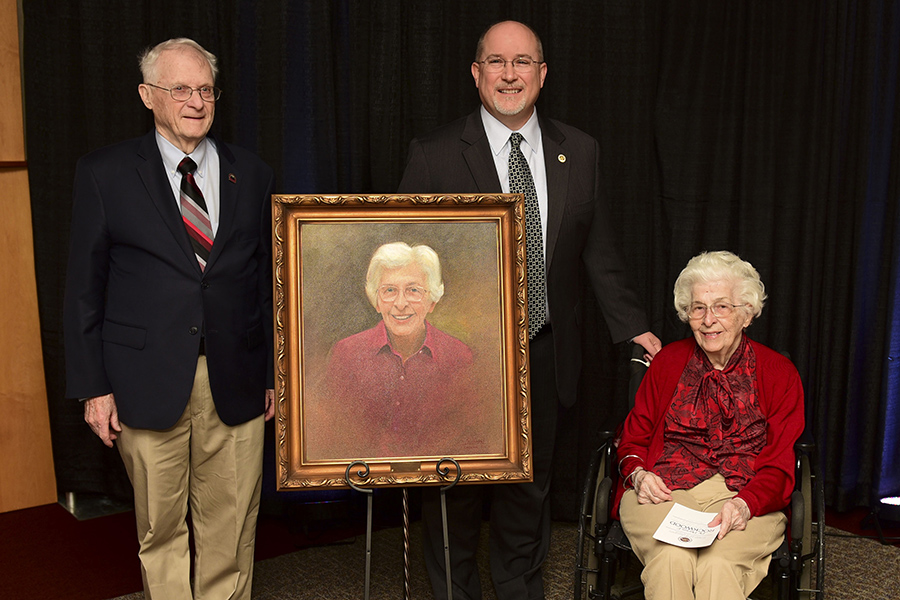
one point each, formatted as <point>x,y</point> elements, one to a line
<point>510,112</point>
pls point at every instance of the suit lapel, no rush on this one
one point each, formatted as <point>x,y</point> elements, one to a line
<point>229,184</point>
<point>156,181</point>
<point>481,164</point>
<point>557,182</point>
<point>478,155</point>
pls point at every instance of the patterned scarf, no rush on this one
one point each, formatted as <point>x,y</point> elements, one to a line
<point>714,423</point>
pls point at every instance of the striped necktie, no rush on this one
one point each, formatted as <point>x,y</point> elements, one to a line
<point>521,182</point>
<point>194,212</point>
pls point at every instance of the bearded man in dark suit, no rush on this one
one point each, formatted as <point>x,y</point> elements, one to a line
<point>472,155</point>
<point>168,326</point>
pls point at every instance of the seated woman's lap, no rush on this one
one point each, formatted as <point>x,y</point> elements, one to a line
<point>731,568</point>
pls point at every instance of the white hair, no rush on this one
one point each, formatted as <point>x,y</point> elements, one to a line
<point>720,266</point>
<point>149,57</point>
<point>399,254</point>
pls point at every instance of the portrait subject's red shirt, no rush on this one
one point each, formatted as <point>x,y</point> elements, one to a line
<point>426,406</point>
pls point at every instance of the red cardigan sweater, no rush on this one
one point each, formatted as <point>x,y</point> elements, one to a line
<point>780,399</point>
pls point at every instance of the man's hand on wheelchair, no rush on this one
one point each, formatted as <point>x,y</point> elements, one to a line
<point>650,343</point>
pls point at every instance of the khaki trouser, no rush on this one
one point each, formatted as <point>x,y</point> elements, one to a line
<point>729,569</point>
<point>215,468</point>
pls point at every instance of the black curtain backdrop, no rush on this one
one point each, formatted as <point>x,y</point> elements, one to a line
<point>764,127</point>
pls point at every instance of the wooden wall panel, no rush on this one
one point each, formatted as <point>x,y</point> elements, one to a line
<point>26,459</point>
<point>12,142</point>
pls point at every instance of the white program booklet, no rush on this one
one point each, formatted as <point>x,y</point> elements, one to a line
<point>687,528</point>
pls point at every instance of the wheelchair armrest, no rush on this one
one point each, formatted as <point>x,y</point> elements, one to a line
<point>603,508</point>
<point>596,500</point>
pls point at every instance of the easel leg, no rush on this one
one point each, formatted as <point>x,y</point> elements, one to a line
<point>406,592</point>
<point>446,544</point>
<point>363,473</point>
<point>368,542</point>
<point>443,471</point>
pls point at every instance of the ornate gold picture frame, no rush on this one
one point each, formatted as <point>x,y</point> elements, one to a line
<point>347,389</point>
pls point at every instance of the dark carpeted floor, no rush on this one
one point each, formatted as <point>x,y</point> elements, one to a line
<point>45,554</point>
<point>855,569</point>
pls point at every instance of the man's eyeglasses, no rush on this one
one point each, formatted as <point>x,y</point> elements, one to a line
<point>522,64</point>
<point>722,310</point>
<point>181,93</point>
<point>412,293</point>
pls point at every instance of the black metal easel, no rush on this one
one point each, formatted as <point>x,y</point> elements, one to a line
<point>443,470</point>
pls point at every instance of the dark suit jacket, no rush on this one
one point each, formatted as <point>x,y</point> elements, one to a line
<point>457,158</point>
<point>137,302</point>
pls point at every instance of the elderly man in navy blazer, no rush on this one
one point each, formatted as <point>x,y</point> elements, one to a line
<point>473,154</point>
<point>168,326</point>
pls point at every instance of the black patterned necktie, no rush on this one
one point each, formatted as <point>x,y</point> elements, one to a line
<point>521,182</point>
<point>194,212</point>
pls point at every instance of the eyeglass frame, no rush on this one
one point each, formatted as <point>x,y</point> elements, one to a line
<point>403,290</point>
<point>709,309</point>
<point>487,66</point>
<point>216,91</point>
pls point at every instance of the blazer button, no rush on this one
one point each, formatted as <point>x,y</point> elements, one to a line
<point>204,285</point>
<point>194,330</point>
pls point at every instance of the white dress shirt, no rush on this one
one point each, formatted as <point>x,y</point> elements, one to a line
<point>498,137</point>
<point>207,174</point>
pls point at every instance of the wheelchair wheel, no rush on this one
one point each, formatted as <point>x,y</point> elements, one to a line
<point>592,526</point>
<point>811,582</point>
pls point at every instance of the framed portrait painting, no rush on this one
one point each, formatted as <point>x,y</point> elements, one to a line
<point>400,339</point>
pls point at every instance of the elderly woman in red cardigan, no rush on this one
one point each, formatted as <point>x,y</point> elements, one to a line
<point>713,428</point>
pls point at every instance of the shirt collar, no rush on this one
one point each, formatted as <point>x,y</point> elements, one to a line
<point>172,156</point>
<point>498,133</point>
<point>383,342</point>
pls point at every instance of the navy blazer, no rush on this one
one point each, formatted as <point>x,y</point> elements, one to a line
<point>456,158</point>
<point>137,303</point>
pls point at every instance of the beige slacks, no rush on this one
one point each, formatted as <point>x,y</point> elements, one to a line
<point>729,569</point>
<point>215,468</point>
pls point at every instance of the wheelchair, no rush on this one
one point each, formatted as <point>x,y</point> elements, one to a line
<point>602,545</point>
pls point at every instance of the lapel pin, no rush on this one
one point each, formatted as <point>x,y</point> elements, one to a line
<point>233,179</point>
<point>561,158</point>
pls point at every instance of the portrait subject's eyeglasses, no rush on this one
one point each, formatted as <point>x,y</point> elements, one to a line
<point>181,93</point>
<point>522,64</point>
<point>412,293</point>
<point>721,310</point>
